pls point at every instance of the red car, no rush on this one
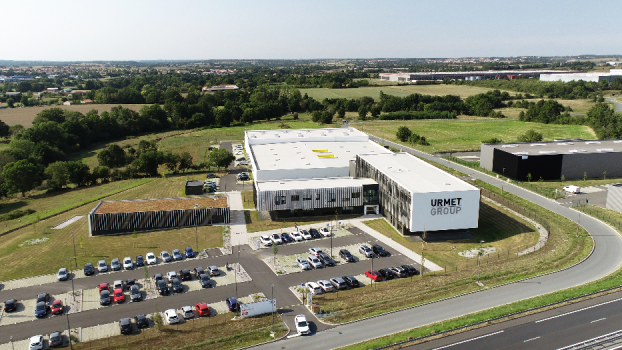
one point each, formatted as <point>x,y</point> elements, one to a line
<point>57,307</point>
<point>202,309</point>
<point>119,297</point>
<point>374,275</point>
<point>103,286</point>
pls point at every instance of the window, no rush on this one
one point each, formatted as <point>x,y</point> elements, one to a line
<point>306,197</point>
<point>331,197</point>
<point>317,196</point>
<point>356,194</point>
<point>295,198</point>
<point>279,200</point>
<point>282,199</point>
<point>346,199</point>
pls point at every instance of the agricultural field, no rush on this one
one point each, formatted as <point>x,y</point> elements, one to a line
<point>467,135</point>
<point>51,254</point>
<point>401,91</point>
<point>26,115</point>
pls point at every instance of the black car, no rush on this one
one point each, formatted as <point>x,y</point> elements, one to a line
<point>140,261</point>
<point>43,297</point>
<point>130,282</point>
<point>157,277</point>
<point>126,325</point>
<point>351,281</point>
<point>185,275</point>
<point>10,305</point>
<point>346,255</point>
<point>141,321</point>
<point>339,283</point>
<point>104,297</point>
<point>387,274</point>
<point>286,238</point>
<point>198,271</point>
<point>326,259</point>
<point>399,271</point>
<point>232,304</point>
<point>135,294</point>
<point>212,176</point>
<point>410,269</point>
<point>89,269</point>
<point>162,287</point>
<point>379,250</point>
<point>56,339</point>
<point>176,285</point>
<point>205,281</point>
<point>315,233</point>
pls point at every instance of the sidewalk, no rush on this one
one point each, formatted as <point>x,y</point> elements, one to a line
<point>237,224</point>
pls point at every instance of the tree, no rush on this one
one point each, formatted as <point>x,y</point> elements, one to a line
<point>362,112</point>
<point>15,129</point>
<point>10,102</point>
<point>563,178</point>
<point>220,157</point>
<point>57,174</point>
<point>604,175</point>
<point>24,101</point>
<point>102,173</point>
<point>327,117</point>
<point>112,157</point>
<point>22,176</point>
<point>341,113</point>
<point>375,111</point>
<point>79,173</point>
<point>316,116</point>
<point>528,177</point>
<point>275,250</point>
<point>493,140</point>
<point>530,136</point>
<point>148,162</point>
<point>584,175</point>
<point>4,129</point>
<point>185,161</point>
<point>172,161</point>
<point>403,133</point>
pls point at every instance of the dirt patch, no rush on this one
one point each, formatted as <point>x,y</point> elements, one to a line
<point>160,204</point>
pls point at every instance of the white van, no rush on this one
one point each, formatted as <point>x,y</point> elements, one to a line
<point>572,189</point>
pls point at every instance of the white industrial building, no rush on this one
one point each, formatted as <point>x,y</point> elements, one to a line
<point>471,75</point>
<point>323,171</point>
<point>593,77</point>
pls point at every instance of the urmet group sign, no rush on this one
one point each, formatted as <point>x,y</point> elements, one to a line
<point>445,206</point>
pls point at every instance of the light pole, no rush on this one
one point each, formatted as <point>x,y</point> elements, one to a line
<point>371,280</point>
<point>68,328</point>
<point>11,338</point>
<point>479,254</point>
<point>75,259</point>
<point>273,305</point>
<point>236,274</point>
<point>196,226</point>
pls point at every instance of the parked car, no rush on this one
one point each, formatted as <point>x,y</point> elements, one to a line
<point>130,282</point>
<point>135,294</point>
<point>141,321</point>
<point>35,343</point>
<point>89,269</point>
<point>125,324</point>
<point>303,263</point>
<point>10,305</point>
<point>43,297</point>
<point>171,316</point>
<point>314,288</point>
<point>185,275</point>
<point>324,231</point>
<point>399,271</point>
<point>326,259</point>
<point>243,162</point>
<point>302,326</point>
<point>115,264</point>
<point>140,261</point>
<point>315,251</point>
<point>374,275</point>
<point>276,238</point>
<point>186,312</point>
<point>365,250</point>
<point>162,287</point>
<point>296,236</point>
<point>379,250</point>
<point>118,296</point>
<point>314,261</point>
<point>170,275</point>
<point>176,285</point>
<point>213,270</point>
<point>56,339</point>
<point>286,238</point>
<point>118,284</point>
<point>151,259</point>
<point>177,255</point>
<point>165,256</point>
<point>239,159</point>
<point>386,274</point>
<point>62,274</point>
<point>102,266</point>
<point>205,281</point>
<point>410,269</point>
<point>314,233</point>
<point>572,189</point>
<point>243,177</point>
<point>41,309</point>
<point>157,277</point>
<point>265,240</point>
<point>306,235</point>
<point>212,176</point>
<point>351,281</point>
<point>104,297</point>
<point>103,286</point>
<point>338,283</point>
<point>202,309</point>
<point>198,271</point>
<point>57,307</point>
<point>189,252</point>
<point>346,255</point>
<point>326,286</point>
<point>128,264</point>
<point>232,304</point>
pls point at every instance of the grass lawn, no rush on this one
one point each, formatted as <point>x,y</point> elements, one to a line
<point>463,135</point>
<point>18,261</point>
<point>26,115</point>
<point>497,228</point>
<point>253,224</point>
<point>463,91</point>
<point>247,200</point>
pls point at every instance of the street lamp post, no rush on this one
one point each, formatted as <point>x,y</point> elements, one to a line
<point>273,304</point>
<point>236,274</point>
<point>196,226</point>
<point>75,259</point>
<point>371,280</point>
<point>479,254</point>
<point>68,328</point>
<point>11,338</point>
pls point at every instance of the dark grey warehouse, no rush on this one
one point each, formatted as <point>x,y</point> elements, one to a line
<point>573,159</point>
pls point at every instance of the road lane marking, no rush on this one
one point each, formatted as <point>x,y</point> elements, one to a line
<point>585,308</point>
<point>468,340</point>
<point>590,340</point>
<point>531,339</point>
<point>600,319</point>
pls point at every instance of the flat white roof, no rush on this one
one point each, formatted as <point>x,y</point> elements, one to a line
<point>414,174</point>
<point>284,185</point>
<point>255,137</point>
<point>310,155</point>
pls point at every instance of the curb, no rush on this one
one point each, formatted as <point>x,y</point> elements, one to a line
<point>273,340</point>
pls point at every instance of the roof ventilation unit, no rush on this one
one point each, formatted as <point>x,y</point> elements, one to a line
<point>592,142</point>
<point>577,151</point>
<point>547,152</point>
<point>538,144</point>
<point>520,153</point>
<point>504,146</point>
<point>605,149</point>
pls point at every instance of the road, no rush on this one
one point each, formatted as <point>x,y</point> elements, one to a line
<point>616,103</point>
<point>606,258</point>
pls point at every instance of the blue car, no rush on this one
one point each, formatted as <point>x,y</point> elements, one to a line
<point>232,304</point>
<point>41,309</point>
<point>140,261</point>
<point>189,252</point>
<point>285,237</point>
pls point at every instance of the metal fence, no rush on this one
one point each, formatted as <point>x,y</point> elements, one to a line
<point>517,208</point>
<point>599,213</point>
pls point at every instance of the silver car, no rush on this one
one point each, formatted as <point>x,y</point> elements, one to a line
<point>102,266</point>
<point>314,261</point>
<point>62,274</point>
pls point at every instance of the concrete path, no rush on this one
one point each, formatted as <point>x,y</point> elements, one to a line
<point>238,223</point>
<point>616,103</point>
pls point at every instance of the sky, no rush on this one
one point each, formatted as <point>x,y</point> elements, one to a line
<point>295,29</point>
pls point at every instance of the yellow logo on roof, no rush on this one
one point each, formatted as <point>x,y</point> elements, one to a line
<point>320,150</point>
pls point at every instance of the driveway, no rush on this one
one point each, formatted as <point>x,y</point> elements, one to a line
<point>228,182</point>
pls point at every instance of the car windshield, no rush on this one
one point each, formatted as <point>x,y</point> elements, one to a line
<point>128,261</point>
<point>40,307</point>
<point>302,324</point>
<point>118,294</point>
<point>176,283</point>
<point>55,338</point>
<point>102,264</point>
<point>134,290</point>
<point>165,255</point>
<point>62,272</point>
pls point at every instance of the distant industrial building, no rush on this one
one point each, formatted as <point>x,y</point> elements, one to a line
<point>477,75</point>
<point>550,160</point>
<point>220,88</point>
<point>18,78</point>
<point>593,77</point>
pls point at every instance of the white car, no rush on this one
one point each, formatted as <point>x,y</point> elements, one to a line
<point>242,162</point>
<point>187,312</point>
<point>276,238</point>
<point>128,264</point>
<point>314,288</point>
<point>265,240</point>
<point>314,261</point>
<point>301,324</point>
<point>102,266</point>
<point>296,236</point>
<point>238,153</point>
<point>306,235</point>
<point>326,286</point>
<point>303,263</point>
<point>315,251</point>
<point>171,316</point>
<point>325,232</point>
<point>118,284</point>
<point>36,342</point>
<point>165,256</point>
<point>151,259</point>
<point>170,275</point>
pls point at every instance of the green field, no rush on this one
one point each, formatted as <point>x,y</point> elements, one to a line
<point>463,135</point>
<point>401,91</point>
